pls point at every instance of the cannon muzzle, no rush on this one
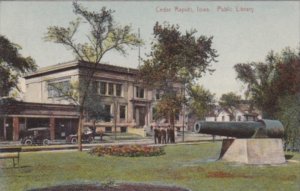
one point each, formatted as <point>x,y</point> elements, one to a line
<point>251,129</point>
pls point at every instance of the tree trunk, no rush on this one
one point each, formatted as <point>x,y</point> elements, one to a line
<point>79,132</point>
<point>172,122</point>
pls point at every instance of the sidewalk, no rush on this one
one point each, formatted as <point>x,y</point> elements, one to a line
<point>188,139</point>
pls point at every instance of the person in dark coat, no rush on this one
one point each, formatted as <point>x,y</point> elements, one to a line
<point>163,136</point>
<point>159,135</point>
<point>156,135</point>
<point>168,135</point>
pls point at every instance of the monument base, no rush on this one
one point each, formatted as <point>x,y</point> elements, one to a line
<point>253,151</point>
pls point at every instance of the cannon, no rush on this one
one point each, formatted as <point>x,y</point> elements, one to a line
<point>250,129</point>
<point>255,142</point>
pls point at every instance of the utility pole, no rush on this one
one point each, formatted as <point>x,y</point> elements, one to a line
<point>139,56</point>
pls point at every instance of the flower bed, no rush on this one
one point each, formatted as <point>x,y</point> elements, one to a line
<point>120,187</point>
<point>128,150</point>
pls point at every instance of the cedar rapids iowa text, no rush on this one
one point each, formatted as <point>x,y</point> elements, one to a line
<point>221,9</point>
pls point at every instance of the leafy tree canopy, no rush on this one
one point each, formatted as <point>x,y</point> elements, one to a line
<point>230,101</point>
<point>289,115</point>
<point>201,101</point>
<point>104,35</point>
<point>12,65</point>
<point>177,57</point>
<point>267,81</point>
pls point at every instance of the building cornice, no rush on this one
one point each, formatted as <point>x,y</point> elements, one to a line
<point>81,66</point>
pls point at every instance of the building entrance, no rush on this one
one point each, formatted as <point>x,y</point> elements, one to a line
<point>140,115</point>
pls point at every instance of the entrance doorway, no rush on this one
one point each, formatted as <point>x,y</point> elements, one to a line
<point>140,115</point>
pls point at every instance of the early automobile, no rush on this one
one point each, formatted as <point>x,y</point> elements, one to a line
<point>37,136</point>
<point>87,136</point>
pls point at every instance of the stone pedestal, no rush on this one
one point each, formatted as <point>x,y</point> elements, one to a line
<point>253,151</point>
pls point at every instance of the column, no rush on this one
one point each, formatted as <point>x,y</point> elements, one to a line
<point>130,105</point>
<point>16,127</point>
<point>25,122</point>
<point>52,128</point>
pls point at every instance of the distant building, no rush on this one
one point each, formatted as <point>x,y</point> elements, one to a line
<point>242,113</point>
<point>118,87</point>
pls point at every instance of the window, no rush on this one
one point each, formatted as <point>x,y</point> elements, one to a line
<point>122,111</point>
<point>118,89</point>
<point>177,116</point>
<point>123,129</point>
<point>239,118</point>
<point>158,94</point>
<point>110,89</point>
<point>108,129</point>
<point>154,113</point>
<point>103,88</point>
<point>139,92</point>
<point>107,110</point>
<point>58,89</point>
<point>223,118</point>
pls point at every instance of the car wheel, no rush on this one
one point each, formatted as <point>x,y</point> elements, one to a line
<point>28,142</point>
<point>46,142</point>
<point>74,140</point>
<point>90,139</point>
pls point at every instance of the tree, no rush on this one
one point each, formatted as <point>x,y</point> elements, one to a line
<point>274,86</point>
<point>287,78</point>
<point>95,110</point>
<point>93,107</point>
<point>287,83</point>
<point>289,115</point>
<point>258,78</point>
<point>12,65</point>
<point>104,36</point>
<point>201,101</point>
<point>175,58</point>
<point>230,101</point>
<point>267,82</point>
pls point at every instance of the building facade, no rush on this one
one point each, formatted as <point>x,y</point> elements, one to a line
<point>239,114</point>
<point>130,103</point>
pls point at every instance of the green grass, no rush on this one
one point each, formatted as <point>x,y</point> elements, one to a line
<point>183,165</point>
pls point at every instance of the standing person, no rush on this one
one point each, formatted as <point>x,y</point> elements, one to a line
<point>163,136</point>
<point>155,135</point>
<point>169,134</point>
<point>159,135</point>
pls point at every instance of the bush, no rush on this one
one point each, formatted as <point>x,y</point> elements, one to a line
<point>128,150</point>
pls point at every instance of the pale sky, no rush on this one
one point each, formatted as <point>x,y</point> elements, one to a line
<point>242,31</point>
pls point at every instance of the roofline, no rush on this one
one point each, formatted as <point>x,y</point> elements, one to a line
<point>79,64</point>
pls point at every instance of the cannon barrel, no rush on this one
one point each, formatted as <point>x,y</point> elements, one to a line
<point>254,129</point>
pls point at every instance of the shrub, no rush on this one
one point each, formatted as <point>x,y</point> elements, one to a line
<point>128,150</point>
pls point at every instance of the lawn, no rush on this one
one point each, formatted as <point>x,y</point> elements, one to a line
<point>188,166</point>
